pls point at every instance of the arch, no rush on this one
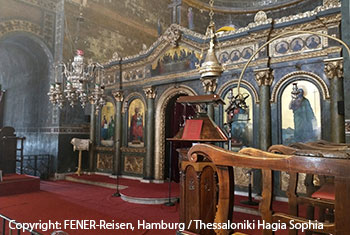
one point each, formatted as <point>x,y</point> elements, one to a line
<point>10,35</point>
<point>162,103</point>
<point>310,76</point>
<point>131,97</point>
<point>16,25</point>
<point>27,83</point>
<point>315,105</point>
<point>223,89</point>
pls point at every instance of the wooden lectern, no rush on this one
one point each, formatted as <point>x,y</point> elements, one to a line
<point>80,145</point>
<point>198,179</point>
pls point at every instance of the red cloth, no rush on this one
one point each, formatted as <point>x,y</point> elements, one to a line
<point>192,129</point>
<point>327,192</point>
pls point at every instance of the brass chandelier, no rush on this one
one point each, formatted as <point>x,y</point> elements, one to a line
<point>81,82</point>
<point>211,68</point>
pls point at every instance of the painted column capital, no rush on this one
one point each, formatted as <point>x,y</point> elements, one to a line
<point>209,84</point>
<point>118,96</point>
<point>264,76</point>
<point>333,68</point>
<point>150,92</point>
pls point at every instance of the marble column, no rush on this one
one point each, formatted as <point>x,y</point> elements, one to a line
<point>118,96</point>
<point>334,72</point>
<point>92,137</point>
<point>209,85</point>
<point>264,78</point>
<point>149,161</point>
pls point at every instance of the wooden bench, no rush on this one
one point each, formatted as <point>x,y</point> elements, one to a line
<point>322,195</point>
<point>268,162</point>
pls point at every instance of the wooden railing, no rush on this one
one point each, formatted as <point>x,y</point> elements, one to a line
<point>268,162</point>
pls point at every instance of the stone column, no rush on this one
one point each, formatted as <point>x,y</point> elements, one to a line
<point>149,161</point>
<point>118,96</point>
<point>264,78</point>
<point>92,137</point>
<point>334,72</point>
<point>209,85</point>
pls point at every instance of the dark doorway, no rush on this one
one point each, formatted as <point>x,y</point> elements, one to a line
<point>174,118</point>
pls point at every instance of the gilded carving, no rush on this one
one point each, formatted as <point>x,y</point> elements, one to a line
<point>150,92</point>
<point>333,68</point>
<point>264,76</point>
<point>260,19</point>
<point>260,16</point>
<point>118,96</point>
<point>209,85</point>
<point>241,176</point>
<point>347,126</point>
<point>115,57</point>
<point>133,164</point>
<point>133,150</point>
<point>285,182</point>
<point>331,3</point>
<point>175,31</point>
<point>104,161</point>
<point>172,35</point>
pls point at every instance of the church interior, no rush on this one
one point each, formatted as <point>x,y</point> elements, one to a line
<point>183,117</point>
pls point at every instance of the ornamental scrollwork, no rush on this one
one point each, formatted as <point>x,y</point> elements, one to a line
<point>333,68</point>
<point>172,35</point>
<point>264,76</point>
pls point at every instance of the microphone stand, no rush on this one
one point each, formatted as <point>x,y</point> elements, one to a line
<point>170,203</point>
<point>117,194</point>
<point>250,198</point>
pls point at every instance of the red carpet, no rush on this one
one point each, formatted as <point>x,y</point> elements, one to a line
<point>16,184</point>
<point>135,187</point>
<point>62,200</point>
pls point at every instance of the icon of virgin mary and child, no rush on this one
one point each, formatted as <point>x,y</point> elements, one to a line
<point>136,127</point>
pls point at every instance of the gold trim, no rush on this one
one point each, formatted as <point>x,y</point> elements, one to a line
<point>232,10</point>
<point>160,126</point>
<point>150,92</point>
<point>133,150</point>
<point>333,68</point>
<point>131,95</point>
<point>118,96</point>
<point>101,148</point>
<point>264,76</point>
<point>286,78</point>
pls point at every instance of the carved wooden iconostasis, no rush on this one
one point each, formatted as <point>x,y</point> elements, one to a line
<point>147,82</point>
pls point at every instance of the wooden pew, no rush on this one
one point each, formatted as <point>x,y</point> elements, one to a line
<point>316,195</point>
<point>253,158</point>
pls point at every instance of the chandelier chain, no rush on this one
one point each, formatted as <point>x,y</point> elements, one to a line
<point>211,12</point>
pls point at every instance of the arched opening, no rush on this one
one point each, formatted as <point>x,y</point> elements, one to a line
<point>175,115</point>
<point>25,75</point>
<point>300,112</point>
<point>160,137</point>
